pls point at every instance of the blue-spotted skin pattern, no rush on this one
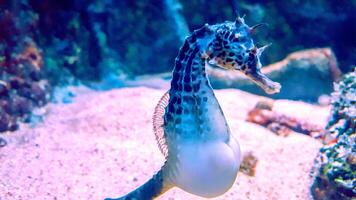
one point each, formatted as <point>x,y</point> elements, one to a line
<point>230,46</point>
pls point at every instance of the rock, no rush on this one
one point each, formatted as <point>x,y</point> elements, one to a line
<point>4,105</point>
<point>38,95</point>
<point>19,106</point>
<point>309,74</point>
<point>13,126</point>
<point>2,142</point>
<point>104,140</point>
<point>4,121</point>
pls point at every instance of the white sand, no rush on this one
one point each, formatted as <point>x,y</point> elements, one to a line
<point>102,145</point>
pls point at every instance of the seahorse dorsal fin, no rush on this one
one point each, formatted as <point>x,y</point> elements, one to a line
<point>158,122</point>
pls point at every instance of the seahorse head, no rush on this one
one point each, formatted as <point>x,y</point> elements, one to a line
<point>233,48</point>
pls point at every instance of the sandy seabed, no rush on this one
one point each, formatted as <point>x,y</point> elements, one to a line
<point>102,145</point>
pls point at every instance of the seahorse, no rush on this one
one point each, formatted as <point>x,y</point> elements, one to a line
<point>202,157</point>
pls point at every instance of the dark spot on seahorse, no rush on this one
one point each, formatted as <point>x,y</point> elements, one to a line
<point>185,46</point>
<point>185,111</point>
<point>252,62</point>
<point>188,70</point>
<point>198,101</point>
<point>174,100</point>
<point>243,67</point>
<point>179,110</point>
<point>179,101</point>
<point>179,87</point>
<point>228,60</point>
<point>218,48</point>
<point>223,53</point>
<point>205,99</point>
<point>231,37</point>
<point>191,57</point>
<point>194,77</point>
<point>181,55</point>
<point>186,79</point>
<point>231,54</point>
<point>187,88</point>
<point>239,57</point>
<point>178,65</point>
<point>168,117</point>
<point>175,76</point>
<point>171,107</point>
<point>195,67</point>
<point>225,43</point>
<point>200,32</point>
<point>236,39</point>
<point>196,87</point>
<point>250,57</point>
<point>200,112</point>
<point>178,120</point>
<point>193,38</point>
<point>174,85</point>
<point>178,130</point>
<point>188,99</point>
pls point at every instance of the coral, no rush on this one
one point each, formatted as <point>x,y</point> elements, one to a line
<point>281,124</point>
<point>249,163</point>
<point>335,170</point>
<point>22,86</point>
<point>31,54</point>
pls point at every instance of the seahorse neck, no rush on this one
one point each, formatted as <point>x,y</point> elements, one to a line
<point>192,105</point>
<point>189,69</point>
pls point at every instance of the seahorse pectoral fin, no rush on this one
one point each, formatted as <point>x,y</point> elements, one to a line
<point>152,189</point>
<point>158,123</point>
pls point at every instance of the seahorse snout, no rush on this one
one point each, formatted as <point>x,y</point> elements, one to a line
<point>264,82</point>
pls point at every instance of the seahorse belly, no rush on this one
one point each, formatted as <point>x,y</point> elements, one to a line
<point>207,169</point>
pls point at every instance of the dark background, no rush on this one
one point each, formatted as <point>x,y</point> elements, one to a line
<point>89,39</point>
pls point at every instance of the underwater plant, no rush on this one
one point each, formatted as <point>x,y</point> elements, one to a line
<point>202,157</point>
<point>335,175</point>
